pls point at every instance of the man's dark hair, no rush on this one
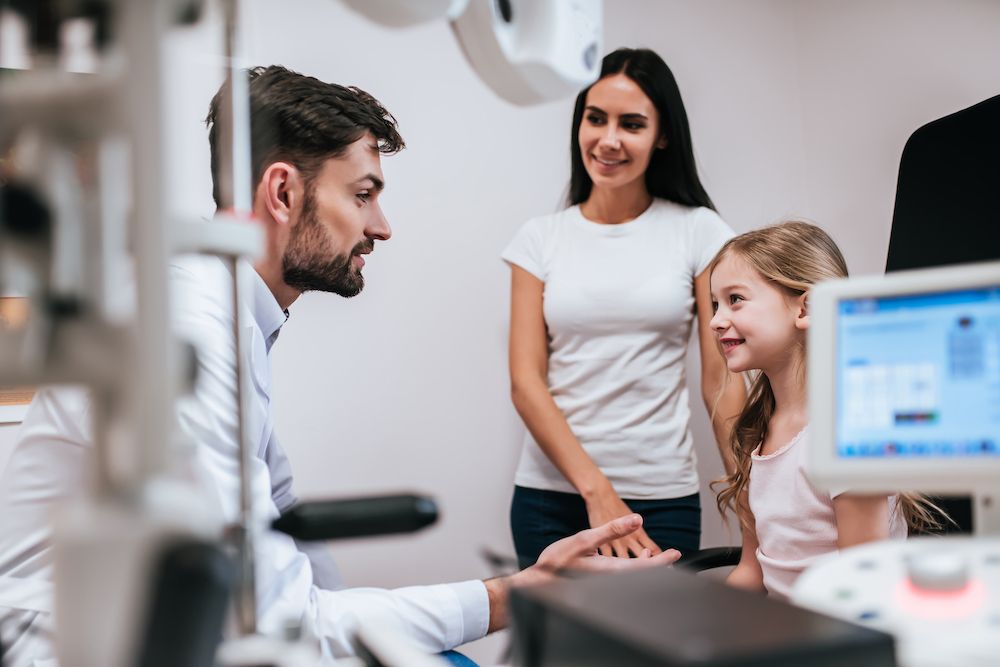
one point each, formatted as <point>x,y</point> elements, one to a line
<point>302,120</point>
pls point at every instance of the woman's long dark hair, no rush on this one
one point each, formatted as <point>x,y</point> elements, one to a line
<point>671,173</point>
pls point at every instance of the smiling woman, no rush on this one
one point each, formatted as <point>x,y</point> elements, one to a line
<point>604,296</point>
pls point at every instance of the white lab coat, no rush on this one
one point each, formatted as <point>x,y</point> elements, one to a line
<point>48,465</point>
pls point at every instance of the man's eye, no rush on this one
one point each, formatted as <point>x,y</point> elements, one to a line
<point>364,196</point>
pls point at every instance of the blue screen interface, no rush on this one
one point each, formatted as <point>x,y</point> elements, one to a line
<point>919,375</point>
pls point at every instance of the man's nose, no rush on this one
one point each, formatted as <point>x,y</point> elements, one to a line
<point>378,227</point>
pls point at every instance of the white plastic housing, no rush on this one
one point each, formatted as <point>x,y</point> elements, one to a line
<point>548,49</point>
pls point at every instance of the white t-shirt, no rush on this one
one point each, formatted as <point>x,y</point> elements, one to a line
<point>618,304</point>
<point>795,522</point>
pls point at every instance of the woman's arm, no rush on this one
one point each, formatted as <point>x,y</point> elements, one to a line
<point>748,575</point>
<point>861,519</point>
<point>723,392</point>
<point>529,361</point>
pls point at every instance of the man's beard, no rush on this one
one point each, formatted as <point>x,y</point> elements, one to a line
<point>309,263</point>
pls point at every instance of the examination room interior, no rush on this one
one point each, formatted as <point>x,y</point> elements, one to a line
<point>797,109</point>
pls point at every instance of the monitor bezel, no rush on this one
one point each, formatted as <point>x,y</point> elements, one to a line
<point>826,468</point>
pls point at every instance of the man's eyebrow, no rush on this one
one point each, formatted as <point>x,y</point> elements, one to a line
<point>377,183</point>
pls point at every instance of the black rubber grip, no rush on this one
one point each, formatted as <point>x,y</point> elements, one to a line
<point>357,517</point>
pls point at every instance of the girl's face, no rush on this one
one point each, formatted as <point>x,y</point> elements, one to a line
<point>759,324</point>
<point>619,132</point>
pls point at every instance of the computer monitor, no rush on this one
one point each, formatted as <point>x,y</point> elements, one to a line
<point>904,381</point>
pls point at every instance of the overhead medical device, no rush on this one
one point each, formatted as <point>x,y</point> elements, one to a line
<point>904,390</point>
<point>526,51</point>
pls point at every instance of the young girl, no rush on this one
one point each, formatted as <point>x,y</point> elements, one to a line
<point>760,285</point>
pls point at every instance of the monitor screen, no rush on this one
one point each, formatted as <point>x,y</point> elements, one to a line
<point>904,380</point>
<point>918,375</point>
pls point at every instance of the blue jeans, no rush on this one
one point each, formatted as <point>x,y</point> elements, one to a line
<point>538,518</point>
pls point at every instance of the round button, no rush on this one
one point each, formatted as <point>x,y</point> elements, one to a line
<point>938,571</point>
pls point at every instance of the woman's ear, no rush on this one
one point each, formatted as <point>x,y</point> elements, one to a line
<point>282,188</point>
<point>662,143</point>
<point>802,311</point>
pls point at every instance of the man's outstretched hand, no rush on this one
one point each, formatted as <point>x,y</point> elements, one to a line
<point>576,552</point>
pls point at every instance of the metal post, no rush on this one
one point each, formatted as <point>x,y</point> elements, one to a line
<point>236,196</point>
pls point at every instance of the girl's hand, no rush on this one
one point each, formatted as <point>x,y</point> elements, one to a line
<point>607,506</point>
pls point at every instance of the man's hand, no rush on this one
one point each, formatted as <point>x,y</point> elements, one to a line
<point>576,552</point>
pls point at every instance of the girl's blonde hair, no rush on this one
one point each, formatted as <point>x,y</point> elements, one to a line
<point>793,256</point>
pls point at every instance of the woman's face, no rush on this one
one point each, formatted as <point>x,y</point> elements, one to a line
<point>619,131</point>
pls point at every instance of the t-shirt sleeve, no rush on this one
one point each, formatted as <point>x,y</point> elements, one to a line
<point>708,234</point>
<point>527,248</point>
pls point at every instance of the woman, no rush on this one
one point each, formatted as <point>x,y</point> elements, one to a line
<point>603,295</point>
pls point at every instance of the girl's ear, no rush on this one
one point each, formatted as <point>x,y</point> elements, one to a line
<point>802,311</point>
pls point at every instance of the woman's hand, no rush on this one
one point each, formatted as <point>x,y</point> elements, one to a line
<point>606,506</point>
<point>576,552</point>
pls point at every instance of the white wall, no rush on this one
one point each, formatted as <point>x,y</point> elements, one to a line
<point>869,74</point>
<point>797,108</point>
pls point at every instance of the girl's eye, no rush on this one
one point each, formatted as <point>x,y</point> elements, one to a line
<point>734,299</point>
<point>715,306</point>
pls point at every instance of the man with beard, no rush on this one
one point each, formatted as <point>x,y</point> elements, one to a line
<point>315,151</point>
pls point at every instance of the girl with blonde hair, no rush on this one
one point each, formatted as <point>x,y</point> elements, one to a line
<point>760,284</point>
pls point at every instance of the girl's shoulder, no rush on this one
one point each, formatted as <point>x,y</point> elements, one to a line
<point>782,446</point>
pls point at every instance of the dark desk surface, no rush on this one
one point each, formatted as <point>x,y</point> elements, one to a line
<point>669,617</point>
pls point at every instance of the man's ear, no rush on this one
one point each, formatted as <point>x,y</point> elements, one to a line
<point>802,311</point>
<point>282,189</point>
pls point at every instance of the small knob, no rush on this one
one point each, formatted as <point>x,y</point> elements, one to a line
<point>940,571</point>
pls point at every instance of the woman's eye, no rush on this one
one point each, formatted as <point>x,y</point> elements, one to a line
<point>364,196</point>
<point>634,127</point>
<point>595,120</point>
